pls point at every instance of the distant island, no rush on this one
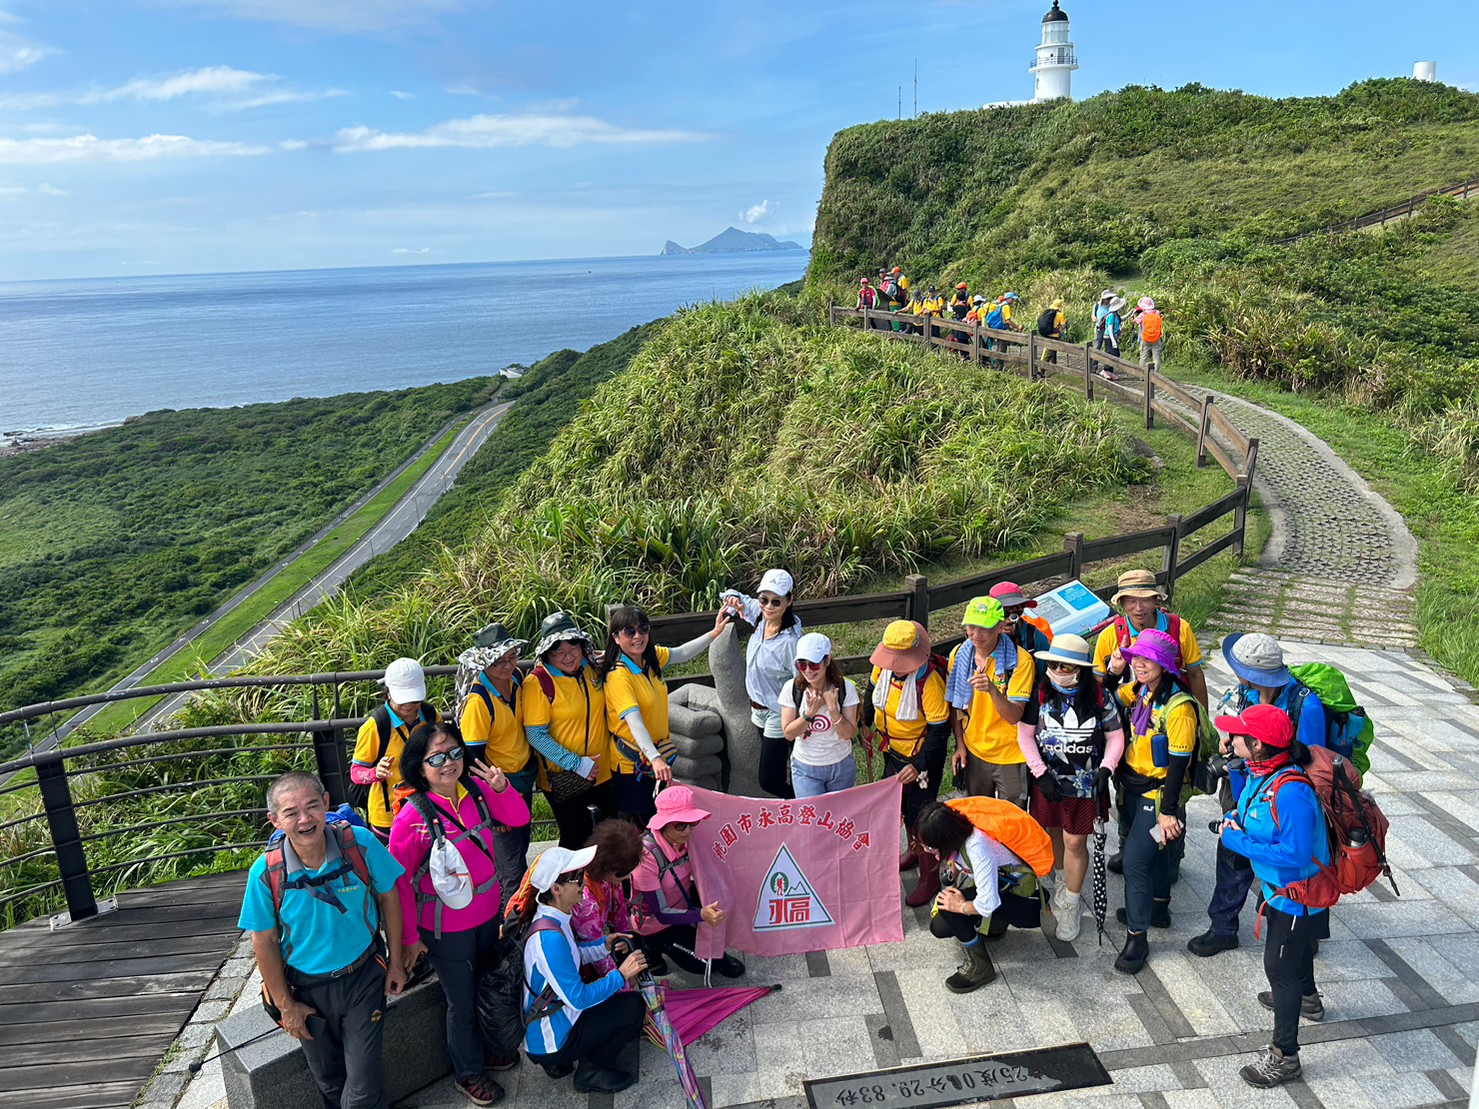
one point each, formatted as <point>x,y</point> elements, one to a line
<point>733,241</point>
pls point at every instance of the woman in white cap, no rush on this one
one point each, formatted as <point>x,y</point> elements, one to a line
<point>819,716</point>
<point>1107,322</point>
<point>490,714</point>
<point>450,899</point>
<point>574,1026</point>
<point>1072,738</point>
<point>631,672</point>
<point>770,661</point>
<point>375,768</point>
<point>565,722</point>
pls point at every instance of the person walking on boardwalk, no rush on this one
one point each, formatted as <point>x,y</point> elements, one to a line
<point>1163,740</point>
<point>490,714</point>
<point>322,909</point>
<point>960,301</point>
<point>1152,328</point>
<point>375,770</point>
<point>990,683</point>
<point>770,661</point>
<point>907,708</point>
<point>1050,324</point>
<point>1107,323</point>
<point>632,669</point>
<point>450,900</point>
<point>565,721</point>
<point>1279,826</point>
<point>1072,737</point>
<point>1263,679</point>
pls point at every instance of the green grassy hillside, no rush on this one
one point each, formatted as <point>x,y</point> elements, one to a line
<point>114,543</point>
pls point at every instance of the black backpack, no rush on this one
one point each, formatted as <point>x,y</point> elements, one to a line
<point>1047,323</point>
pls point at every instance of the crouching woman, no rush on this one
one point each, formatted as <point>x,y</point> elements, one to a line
<point>1280,827</point>
<point>574,1026</point>
<point>987,887</point>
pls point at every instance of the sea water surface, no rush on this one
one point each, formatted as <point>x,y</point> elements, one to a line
<point>86,353</point>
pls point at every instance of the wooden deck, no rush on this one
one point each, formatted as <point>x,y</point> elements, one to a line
<point>87,1013</point>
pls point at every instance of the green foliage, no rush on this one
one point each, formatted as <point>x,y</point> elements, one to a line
<point>115,542</point>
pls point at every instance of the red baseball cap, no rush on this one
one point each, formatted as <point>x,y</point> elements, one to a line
<point>1269,725</point>
<point>1009,593</point>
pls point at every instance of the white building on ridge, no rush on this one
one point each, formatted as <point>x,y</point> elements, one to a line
<point>1055,62</point>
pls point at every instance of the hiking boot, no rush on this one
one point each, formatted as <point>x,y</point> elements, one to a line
<point>1311,1008</point>
<point>1211,942</point>
<point>1160,915</point>
<point>1068,912</point>
<point>727,967</point>
<point>600,1081</point>
<point>929,882</point>
<point>1116,861</point>
<point>558,1071</point>
<point>910,857</point>
<point>481,1090</point>
<point>975,971</point>
<point>1271,1068</point>
<point>1132,958</point>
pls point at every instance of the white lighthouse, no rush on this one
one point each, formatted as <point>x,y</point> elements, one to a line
<point>1053,68</point>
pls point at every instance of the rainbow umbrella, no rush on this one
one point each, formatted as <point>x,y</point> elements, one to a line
<point>667,1037</point>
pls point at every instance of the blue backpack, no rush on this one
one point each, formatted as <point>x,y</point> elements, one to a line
<point>996,319</point>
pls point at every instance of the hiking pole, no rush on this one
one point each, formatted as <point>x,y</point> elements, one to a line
<point>195,1067</point>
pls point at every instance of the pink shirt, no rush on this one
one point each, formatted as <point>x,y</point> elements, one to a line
<point>602,910</point>
<point>410,841</point>
<point>676,884</point>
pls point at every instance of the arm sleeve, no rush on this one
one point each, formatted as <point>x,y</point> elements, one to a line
<point>1027,741</point>
<point>1114,746</point>
<point>564,974</point>
<point>366,743</point>
<point>634,721</point>
<point>690,916</point>
<point>409,843</point>
<point>984,869</point>
<point>361,775</point>
<point>1181,738</point>
<point>541,740</point>
<point>1171,791</point>
<point>687,652</point>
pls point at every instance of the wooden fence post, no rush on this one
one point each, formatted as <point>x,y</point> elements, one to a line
<point>1173,553</point>
<point>1252,460</point>
<point>976,342</point>
<point>1032,356</point>
<point>834,315</point>
<point>1089,370</point>
<point>1149,397</point>
<point>1073,543</point>
<point>1202,429</point>
<point>867,319</point>
<point>917,604</point>
<point>1240,514</point>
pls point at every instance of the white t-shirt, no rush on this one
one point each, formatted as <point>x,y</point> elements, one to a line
<point>822,746</point>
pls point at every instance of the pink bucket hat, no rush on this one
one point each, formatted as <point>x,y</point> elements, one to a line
<point>1146,304</point>
<point>1158,647</point>
<point>675,806</point>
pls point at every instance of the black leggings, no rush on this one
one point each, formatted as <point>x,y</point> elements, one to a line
<point>775,766</point>
<point>574,817</point>
<point>600,1034</point>
<point>1289,964</point>
<point>676,943</point>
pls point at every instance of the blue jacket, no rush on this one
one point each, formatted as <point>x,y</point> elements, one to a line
<point>1285,851</point>
<point>1311,722</point>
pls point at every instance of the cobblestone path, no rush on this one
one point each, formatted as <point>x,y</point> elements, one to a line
<point>1340,566</point>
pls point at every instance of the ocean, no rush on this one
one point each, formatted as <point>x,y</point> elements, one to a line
<point>87,353</point>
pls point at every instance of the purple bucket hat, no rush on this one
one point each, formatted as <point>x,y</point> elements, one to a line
<point>1158,647</point>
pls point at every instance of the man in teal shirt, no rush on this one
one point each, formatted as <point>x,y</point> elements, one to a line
<point>316,903</point>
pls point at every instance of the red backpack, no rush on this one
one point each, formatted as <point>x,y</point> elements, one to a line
<point>1355,824</point>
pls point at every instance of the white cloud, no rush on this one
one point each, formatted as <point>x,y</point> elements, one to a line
<point>399,95</point>
<point>224,86</point>
<point>757,212</point>
<point>83,148</point>
<point>18,52</point>
<point>485,132</point>
<point>345,16</point>
<point>411,250</point>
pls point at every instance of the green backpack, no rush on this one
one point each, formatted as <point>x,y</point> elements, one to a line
<point>1199,778</point>
<point>1348,730</point>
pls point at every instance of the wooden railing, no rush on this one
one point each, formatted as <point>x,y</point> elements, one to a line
<point>1382,216</point>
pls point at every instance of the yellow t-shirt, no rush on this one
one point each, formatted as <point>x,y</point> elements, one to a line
<point>987,735</point>
<point>625,691</point>
<point>576,719</point>
<point>500,733</point>
<point>905,736</point>
<point>367,743</point>
<point>1180,729</point>
<point>934,306</point>
<point>1191,651</point>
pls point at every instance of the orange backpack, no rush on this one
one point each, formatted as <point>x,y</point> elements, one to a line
<point>1151,327</point>
<point>1014,829</point>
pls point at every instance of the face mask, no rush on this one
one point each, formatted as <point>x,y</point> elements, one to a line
<point>1066,690</point>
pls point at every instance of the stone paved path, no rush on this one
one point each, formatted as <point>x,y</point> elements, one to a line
<point>1340,566</point>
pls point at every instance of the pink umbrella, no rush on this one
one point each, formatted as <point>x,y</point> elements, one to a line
<point>678,1017</point>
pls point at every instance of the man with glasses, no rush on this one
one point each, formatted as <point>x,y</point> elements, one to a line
<point>316,904</point>
<point>1031,632</point>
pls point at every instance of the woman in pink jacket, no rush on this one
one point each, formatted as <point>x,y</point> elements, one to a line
<point>451,912</point>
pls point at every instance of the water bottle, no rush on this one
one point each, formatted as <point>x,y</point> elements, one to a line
<point>1357,837</point>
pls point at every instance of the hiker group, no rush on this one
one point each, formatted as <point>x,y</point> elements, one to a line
<point>1048,738</point>
<point>892,292</point>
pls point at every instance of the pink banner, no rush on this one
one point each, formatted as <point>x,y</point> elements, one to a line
<point>796,876</point>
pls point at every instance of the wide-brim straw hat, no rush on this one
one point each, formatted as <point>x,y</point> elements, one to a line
<point>1069,649</point>
<point>1137,583</point>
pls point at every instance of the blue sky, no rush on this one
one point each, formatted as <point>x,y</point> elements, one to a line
<point>169,136</point>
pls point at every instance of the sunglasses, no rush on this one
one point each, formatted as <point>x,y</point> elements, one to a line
<point>1063,667</point>
<point>680,825</point>
<point>772,602</point>
<point>1016,610</point>
<point>807,667</point>
<point>570,879</point>
<point>441,757</point>
<point>636,629</point>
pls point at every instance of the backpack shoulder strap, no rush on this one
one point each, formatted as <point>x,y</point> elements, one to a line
<point>381,717</point>
<point>1281,779</point>
<point>546,682</point>
<point>275,876</point>
<point>1173,628</point>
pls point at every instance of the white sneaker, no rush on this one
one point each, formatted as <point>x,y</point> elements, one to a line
<point>1069,916</point>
